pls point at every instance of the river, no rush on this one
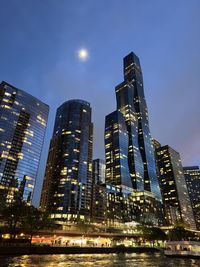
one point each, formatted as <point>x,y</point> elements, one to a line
<point>98,260</point>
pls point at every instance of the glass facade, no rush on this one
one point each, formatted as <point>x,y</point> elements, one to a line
<point>125,104</point>
<point>23,120</point>
<point>98,203</point>
<point>130,159</point>
<point>173,187</point>
<point>135,100</point>
<point>67,184</point>
<point>146,208</point>
<point>119,205</point>
<point>99,171</point>
<point>116,149</point>
<point>192,178</point>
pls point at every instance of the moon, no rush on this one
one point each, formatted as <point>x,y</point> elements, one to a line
<point>83,54</point>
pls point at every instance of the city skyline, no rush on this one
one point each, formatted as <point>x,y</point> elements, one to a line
<point>55,68</point>
<point>70,188</point>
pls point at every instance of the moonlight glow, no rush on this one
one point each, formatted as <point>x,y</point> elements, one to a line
<point>83,54</point>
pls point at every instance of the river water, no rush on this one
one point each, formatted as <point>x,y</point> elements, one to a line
<point>96,260</point>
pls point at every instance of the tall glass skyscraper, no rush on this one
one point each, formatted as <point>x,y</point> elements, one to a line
<point>23,120</point>
<point>116,148</point>
<point>67,184</point>
<point>192,178</point>
<point>173,186</point>
<point>132,117</point>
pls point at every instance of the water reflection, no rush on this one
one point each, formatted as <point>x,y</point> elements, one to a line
<point>97,260</point>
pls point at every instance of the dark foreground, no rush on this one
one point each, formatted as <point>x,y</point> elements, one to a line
<point>72,250</point>
<point>97,260</point>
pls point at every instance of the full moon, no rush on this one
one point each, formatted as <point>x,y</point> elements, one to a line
<point>83,54</point>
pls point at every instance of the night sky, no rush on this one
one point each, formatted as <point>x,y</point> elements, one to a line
<point>39,41</point>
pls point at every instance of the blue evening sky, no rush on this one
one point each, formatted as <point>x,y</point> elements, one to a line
<point>39,40</point>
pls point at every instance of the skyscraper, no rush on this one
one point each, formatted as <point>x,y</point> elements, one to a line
<point>23,120</point>
<point>116,149</point>
<point>131,122</point>
<point>192,178</point>
<point>173,187</point>
<point>98,203</point>
<point>98,171</point>
<point>98,200</point>
<point>66,192</point>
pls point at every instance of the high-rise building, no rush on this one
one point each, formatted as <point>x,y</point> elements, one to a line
<point>173,187</point>
<point>119,205</point>
<point>99,203</point>
<point>129,150</point>
<point>116,149</point>
<point>98,171</point>
<point>66,192</point>
<point>156,144</point>
<point>98,200</point>
<point>192,178</point>
<point>118,179</point>
<point>130,160</point>
<point>146,208</point>
<point>131,102</point>
<point>23,120</point>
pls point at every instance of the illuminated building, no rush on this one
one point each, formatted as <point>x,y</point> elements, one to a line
<point>130,161</point>
<point>116,149</point>
<point>118,180</point>
<point>98,171</point>
<point>192,178</point>
<point>131,102</point>
<point>67,184</point>
<point>173,187</point>
<point>147,208</point>
<point>98,203</point>
<point>132,113</point>
<point>23,120</point>
<point>156,144</point>
<point>119,205</point>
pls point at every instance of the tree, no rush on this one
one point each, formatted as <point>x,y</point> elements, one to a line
<point>180,233</point>
<point>155,233</point>
<point>12,217</point>
<point>151,233</point>
<point>85,228</point>
<point>20,217</point>
<point>36,220</point>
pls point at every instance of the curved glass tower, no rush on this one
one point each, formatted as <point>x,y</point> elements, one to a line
<point>67,184</point>
<point>23,120</point>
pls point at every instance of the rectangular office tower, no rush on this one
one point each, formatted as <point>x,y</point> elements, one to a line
<point>67,186</point>
<point>174,191</point>
<point>23,120</point>
<point>192,178</point>
<point>116,149</point>
<point>98,200</point>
